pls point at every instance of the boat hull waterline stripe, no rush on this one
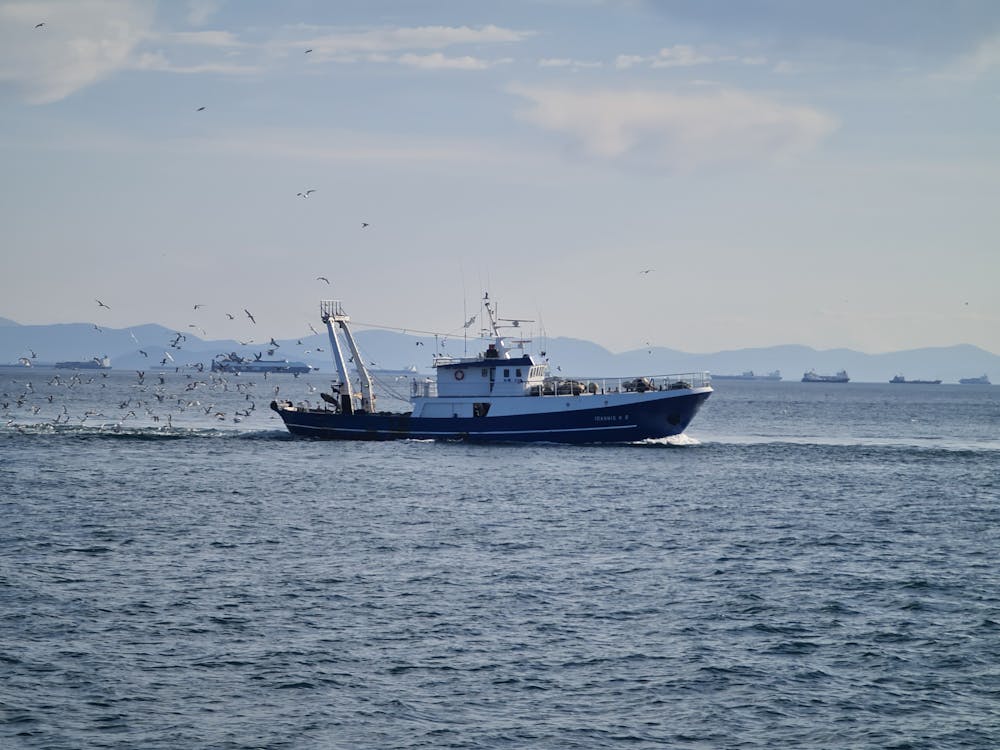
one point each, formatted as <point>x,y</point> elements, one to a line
<point>469,432</point>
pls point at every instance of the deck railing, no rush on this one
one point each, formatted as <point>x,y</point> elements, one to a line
<point>427,387</point>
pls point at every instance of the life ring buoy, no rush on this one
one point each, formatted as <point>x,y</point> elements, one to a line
<point>459,374</point>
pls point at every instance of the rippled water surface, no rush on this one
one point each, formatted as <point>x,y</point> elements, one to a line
<point>810,566</point>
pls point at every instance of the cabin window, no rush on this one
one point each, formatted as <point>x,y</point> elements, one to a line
<point>506,372</point>
<point>518,372</point>
<point>480,409</point>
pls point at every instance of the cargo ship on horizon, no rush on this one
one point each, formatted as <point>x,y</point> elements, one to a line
<point>749,375</point>
<point>813,377</point>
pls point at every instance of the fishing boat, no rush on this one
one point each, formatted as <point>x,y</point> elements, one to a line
<point>498,395</point>
<point>813,377</point>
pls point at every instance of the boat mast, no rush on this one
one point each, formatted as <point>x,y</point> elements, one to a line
<point>327,309</point>
<point>331,311</point>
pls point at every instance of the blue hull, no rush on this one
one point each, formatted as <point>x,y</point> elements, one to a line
<point>607,424</point>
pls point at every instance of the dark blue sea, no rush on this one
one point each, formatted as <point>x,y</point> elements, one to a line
<point>809,566</point>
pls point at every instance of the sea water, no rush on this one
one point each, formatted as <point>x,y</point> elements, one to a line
<point>810,565</point>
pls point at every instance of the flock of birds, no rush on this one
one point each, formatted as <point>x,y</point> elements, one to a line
<point>153,400</point>
<point>107,401</point>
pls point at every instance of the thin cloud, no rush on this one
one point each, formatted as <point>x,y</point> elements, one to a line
<point>339,45</point>
<point>156,61</point>
<point>345,146</point>
<point>87,41</point>
<point>431,61</point>
<point>976,64</point>
<point>437,61</point>
<point>200,11</point>
<point>674,130</point>
<point>83,42</point>
<point>221,39</point>
<point>682,56</point>
<point>564,62</point>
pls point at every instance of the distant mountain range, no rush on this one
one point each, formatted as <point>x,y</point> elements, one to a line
<point>395,351</point>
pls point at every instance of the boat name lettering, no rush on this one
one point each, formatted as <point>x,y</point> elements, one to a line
<point>612,418</point>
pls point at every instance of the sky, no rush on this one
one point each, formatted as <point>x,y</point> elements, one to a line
<point>784,172</point>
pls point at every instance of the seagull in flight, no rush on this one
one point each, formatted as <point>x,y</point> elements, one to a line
<point>307,51</point>
<point>197,306</point>
<point>39,25</point>
<point>323,278</point>
<point>307,193</point>
<point>313,329</point>
<point>249,315</point>
<point>364,224</point>
<point>101,304</point>
<point>200,109</point>
<point>648,270</point>
<point>230,316</point>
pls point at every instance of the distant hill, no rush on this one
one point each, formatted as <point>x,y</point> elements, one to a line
<point>396,351</point>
